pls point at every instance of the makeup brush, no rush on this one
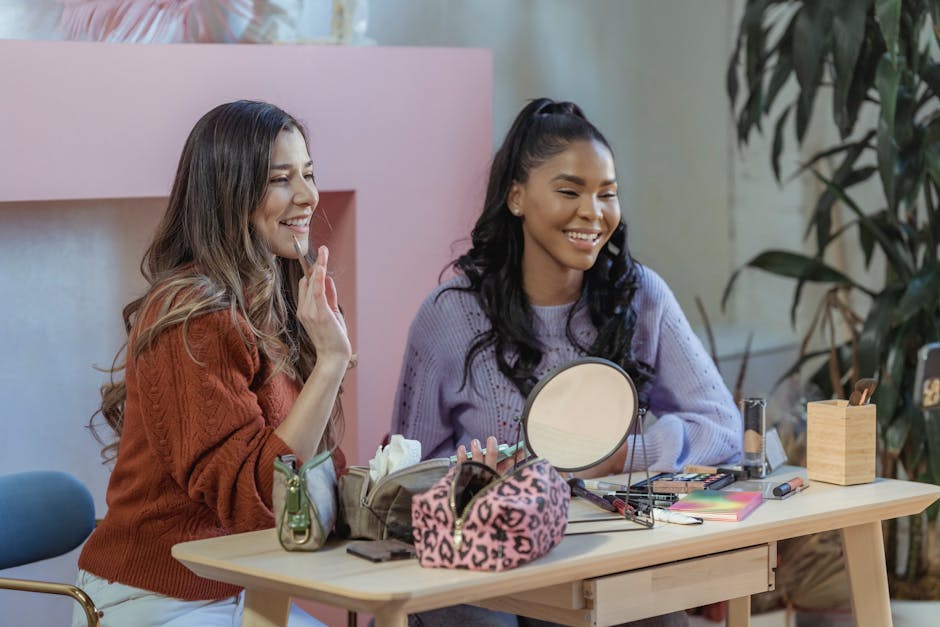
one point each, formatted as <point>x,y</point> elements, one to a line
<point>868,388</point>
<point>864,388</point>
<point>577,489</point>
<point>301,257</point>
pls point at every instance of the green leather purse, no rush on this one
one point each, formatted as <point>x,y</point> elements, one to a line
<point>305,501</point>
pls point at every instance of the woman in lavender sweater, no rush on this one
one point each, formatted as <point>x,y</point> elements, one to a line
<point>549,278</point>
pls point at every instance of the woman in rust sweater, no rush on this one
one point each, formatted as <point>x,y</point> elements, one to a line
<point>235,355</point>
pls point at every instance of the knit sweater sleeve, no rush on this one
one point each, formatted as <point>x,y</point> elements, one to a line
<point>698,422</point>
<point>420,411</point>
<point>205,424</point>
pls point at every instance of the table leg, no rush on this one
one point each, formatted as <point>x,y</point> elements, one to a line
<point>265,608</point>
<point>739,612</point>
<point>868,576</point>
<point>391,618</point>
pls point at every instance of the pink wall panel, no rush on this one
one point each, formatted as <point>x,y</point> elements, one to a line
<point>89,139</point>
<point>406,130</point>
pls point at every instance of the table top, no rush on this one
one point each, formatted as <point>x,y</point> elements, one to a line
<point>256,560</point>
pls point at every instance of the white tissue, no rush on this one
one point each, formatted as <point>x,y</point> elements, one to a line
<point>400,453</point>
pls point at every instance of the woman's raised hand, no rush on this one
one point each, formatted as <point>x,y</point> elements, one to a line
<point>491,456</point>
<point>318,311</point>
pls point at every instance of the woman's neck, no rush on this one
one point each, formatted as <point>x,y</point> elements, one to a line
<point>547,291</point>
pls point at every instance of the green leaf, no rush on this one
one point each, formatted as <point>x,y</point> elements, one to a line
<point>811,28</point>
<point>732,82</point>
<point>886,224</point>
<point>822,154</point>
<point>932,151</point>
<point>751,35</point>
<point>875,330</point>
<point>888,392</point>
<point>887,79</point>
<point>823,213</point>
<point>804,112</point>
<point>864,78</point>
<point>921,294</point>
<point>731,78</point>
<point>888,14</point>
<point>798,266</point>
<point>843,178</point>
<point>867,242</point>
<point>931,76</point>
<point>778,143</point>
<point>810,41</point>
<point>918,437</point>
<point>895,436</point>
<point>752,25</point>
<point>893,250</point>
<point>848,32</point>
<point>750,114</point>
<point>795,302</point>
<point>887,160</point>
<point>783,67</point>
<point>932,431</point>
<point>935,18</point>
<point>793,265</point>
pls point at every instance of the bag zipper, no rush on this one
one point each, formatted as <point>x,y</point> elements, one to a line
<point>295,515</point>
<point>296,502</point>
<point>459,520</point>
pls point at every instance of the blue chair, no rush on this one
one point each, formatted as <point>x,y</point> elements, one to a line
<point>44,514</point>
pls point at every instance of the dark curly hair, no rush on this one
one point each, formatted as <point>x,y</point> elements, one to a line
<point>493,265</point>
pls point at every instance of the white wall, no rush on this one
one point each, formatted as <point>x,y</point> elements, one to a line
<point>83,256</point>
<point>651,75</point>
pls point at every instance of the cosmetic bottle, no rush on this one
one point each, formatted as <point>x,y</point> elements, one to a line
<point>755,425</point>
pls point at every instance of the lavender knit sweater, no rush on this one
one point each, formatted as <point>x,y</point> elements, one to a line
<point>696,421</point>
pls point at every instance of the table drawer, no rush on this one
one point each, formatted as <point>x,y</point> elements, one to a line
<point>637,594</point>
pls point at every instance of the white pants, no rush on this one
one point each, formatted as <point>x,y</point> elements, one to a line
<point>126,606</point>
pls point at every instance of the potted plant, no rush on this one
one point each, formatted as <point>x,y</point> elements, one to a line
<point>876,62</point>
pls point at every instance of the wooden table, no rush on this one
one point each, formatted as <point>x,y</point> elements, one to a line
<point>589,579</point>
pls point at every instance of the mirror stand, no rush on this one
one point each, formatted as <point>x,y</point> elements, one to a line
<point>640,514</point>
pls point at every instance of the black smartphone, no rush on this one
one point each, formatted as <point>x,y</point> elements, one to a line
<point>381,550</point>
<point>927,377</point>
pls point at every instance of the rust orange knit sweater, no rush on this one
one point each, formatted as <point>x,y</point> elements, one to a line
<point>196,455</point>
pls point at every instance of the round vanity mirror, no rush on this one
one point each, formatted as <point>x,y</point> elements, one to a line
<point>579,414</point>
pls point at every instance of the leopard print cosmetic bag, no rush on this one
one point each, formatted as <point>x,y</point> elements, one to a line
<point>476,519</point>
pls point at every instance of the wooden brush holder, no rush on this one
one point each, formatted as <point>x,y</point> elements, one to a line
<point>840,442</point>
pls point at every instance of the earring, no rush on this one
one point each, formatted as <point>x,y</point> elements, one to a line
<point>516,211</point>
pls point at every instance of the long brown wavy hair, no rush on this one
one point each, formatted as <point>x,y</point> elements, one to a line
<point>205,256</point>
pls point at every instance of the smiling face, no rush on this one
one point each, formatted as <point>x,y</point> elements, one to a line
<point>569,209</point>
<point>290,197</point>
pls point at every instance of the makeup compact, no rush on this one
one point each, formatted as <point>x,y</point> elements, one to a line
<point>579,415</point>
